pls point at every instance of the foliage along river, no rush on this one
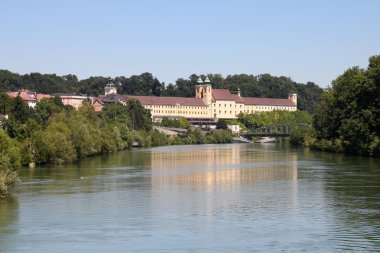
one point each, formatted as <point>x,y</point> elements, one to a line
<point>208,198</point>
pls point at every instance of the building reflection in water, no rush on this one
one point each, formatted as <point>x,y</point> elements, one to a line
<point>234,179</point>
<point>234,164</point>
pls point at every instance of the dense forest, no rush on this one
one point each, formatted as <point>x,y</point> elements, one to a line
<point>146,84</point>
<point>348,117</point>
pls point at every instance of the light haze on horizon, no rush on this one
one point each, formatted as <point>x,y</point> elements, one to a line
<point>304,40</point>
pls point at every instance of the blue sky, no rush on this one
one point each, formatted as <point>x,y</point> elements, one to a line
<point>305,40</point>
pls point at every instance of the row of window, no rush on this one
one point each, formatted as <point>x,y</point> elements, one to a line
<point>172,107</point>
<point>179,112</point>
<point>260,107</point>
<point>225,105</point>
<point>200,110</point>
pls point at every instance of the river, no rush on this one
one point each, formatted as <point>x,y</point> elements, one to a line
<point>206,198</point>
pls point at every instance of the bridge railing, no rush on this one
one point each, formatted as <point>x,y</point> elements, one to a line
<point>280,129</point>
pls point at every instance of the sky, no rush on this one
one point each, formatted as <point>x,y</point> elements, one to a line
<point>304,40</point>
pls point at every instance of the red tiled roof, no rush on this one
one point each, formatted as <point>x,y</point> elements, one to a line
<point>224,94</point>
<point>218,94</point>
<point>152,100</point>
<point>12,94</point>
<point>40,96</point>
<point>268,101</point>
<point>25,95</point>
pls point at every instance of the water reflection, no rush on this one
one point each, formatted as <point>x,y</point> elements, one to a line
<point>8,211</point>
<point>208,198</point>
<point>233,164</point>
<point>9,214</point>
<point>102,173</point>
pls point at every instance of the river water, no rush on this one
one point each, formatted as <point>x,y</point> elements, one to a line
<point>207,198</point>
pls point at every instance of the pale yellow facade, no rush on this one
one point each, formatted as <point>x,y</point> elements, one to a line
<point>179,111</point>
<point>209,104</point>
<point>214,108</point>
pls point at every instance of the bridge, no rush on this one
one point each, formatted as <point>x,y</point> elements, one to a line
<point>275,130</point>
<point>171,131</point>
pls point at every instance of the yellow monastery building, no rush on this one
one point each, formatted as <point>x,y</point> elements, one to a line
<point>209,104</point>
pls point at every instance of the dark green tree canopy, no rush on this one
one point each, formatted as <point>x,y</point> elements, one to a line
<point>350,110</point>
<point>145,84</point>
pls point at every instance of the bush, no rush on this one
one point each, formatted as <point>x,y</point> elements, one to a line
<point>159,139</point>
<point>176,123</point>
<point>8,178</point>
<point>219,136</point>
<point>10,162</point>
<point>302,136</point>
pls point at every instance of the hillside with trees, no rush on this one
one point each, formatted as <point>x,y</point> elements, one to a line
<point>146,84</point>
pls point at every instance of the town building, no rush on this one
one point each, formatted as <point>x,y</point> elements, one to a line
<point>74,99</point>
<point>208,105</point>
<point>3,118</point>
<point>29,97</point>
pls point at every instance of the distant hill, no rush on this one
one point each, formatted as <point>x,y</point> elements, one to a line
<point>263,85</point>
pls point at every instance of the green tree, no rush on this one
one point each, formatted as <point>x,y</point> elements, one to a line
<point>116,113</point>
<point>47,107</point>
<point>140,117</point>
<point>58,142</point>
<point>10,162</point>
<point>176,123</point>
<point>348,113</point>
<point>221,124</point>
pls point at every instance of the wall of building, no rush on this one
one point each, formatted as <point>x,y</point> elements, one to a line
<point>75,102</point>
<point>178,111</point>
<point>222,109</point>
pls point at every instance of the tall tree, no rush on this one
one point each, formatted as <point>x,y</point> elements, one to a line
<point>140,117</point>
<point>349,111</point>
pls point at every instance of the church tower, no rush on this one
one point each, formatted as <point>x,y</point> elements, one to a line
<point>110,89</point>
<point>293,97</point>
<point>203,90</point>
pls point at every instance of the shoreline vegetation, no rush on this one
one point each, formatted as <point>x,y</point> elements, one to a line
<point>54,133</point>
<point>347,119</point>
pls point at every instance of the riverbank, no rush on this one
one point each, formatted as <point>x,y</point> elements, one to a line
<point>9,177</point>
<point>52,133</point>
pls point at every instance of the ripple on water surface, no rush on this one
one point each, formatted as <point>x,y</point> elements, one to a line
<point>208,198</point>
